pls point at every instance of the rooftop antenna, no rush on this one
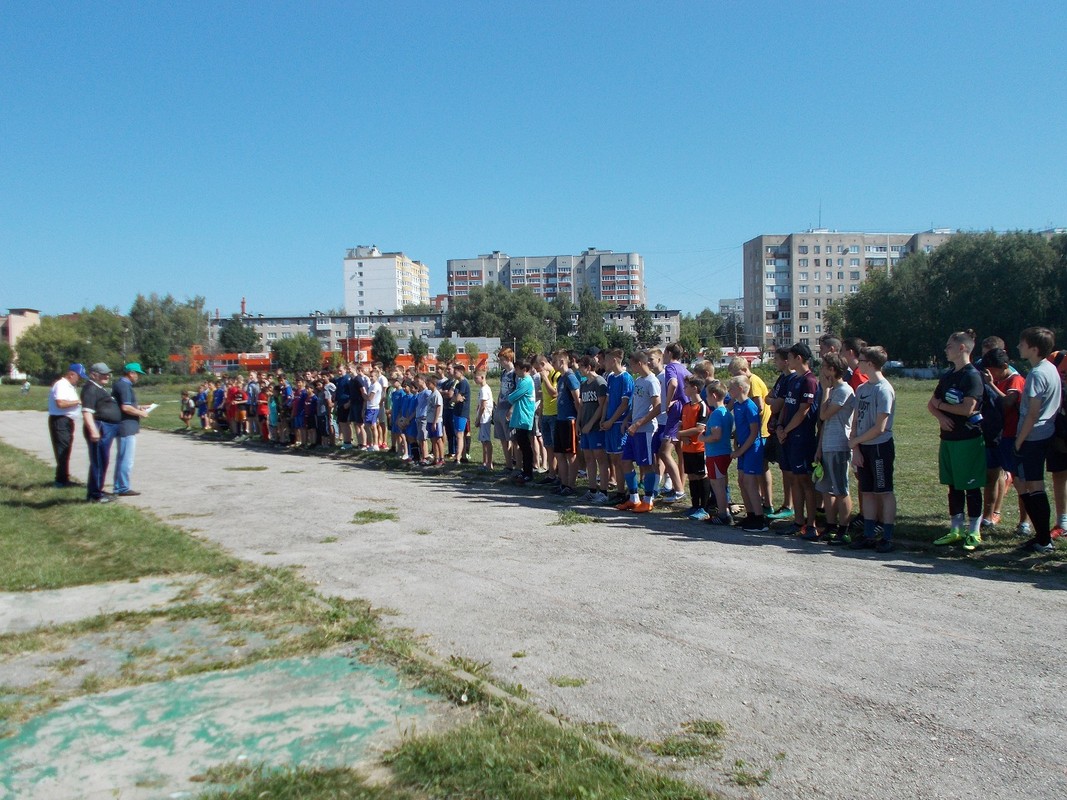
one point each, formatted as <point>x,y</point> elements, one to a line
<point>820,212</point>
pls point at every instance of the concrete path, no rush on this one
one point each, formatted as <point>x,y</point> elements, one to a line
<point>900,677</point>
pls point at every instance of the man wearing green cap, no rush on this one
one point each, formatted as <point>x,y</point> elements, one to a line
<point>129,427</point>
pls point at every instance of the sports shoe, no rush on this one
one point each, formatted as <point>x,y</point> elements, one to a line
<point>1024,531</point>
<point>626,506</point>
<point>972,541</point>
<point>754,524</point>
<point>599,499</point>
<point>672,497</point>
<point>863,543</point>
<point>587,497</point>
<point>641,508</point>
<point>699,515</point>
<point>812,534</point>
<point>885,546</point>
<point>1056,532</point>
<point>952,537</point>
<point>582,473</point>
<point>784,512</point>
<point>545,480</point>
<point>567,491</point>
<point>1043,549</point>
<point>720,519</point>
<point>837,538</point>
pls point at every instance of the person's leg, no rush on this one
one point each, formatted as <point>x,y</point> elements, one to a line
<point>124,465</point>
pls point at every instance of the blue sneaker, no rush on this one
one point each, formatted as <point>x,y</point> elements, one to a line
<point>699,515</point>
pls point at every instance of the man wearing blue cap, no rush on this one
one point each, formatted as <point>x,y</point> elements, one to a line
<point>129,427</point>
<point>64,406</point>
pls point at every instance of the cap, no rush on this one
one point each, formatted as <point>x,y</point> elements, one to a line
<point>100,368</point>
<point>593,351</point>
<point>134,366</point>
<point>78,370</point>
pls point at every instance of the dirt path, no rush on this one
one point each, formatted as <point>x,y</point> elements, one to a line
<point>875,677</point>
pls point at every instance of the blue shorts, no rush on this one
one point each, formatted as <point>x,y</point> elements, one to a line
<point>548,430</point>
<point>433,430</point>
<point>370,416</point>
<point>798,453</point>
<point>638,449</point>
<point>594,440</point>
<point>614,438</point>
<point>751,463</point>
<point>459,424</point>
<point>994,458</point>
<point>1006,453</point>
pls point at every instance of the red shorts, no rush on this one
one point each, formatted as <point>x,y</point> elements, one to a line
<point>718,466</point>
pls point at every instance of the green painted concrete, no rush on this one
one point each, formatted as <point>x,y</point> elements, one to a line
<point>146,741</point>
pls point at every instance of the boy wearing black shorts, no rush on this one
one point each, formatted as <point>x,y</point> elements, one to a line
<point>873,452</point>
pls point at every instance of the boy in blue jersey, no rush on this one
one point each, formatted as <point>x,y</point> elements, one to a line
<point>717,449</point>
<point>620,394</point>
<point>637,447</point>
<point>749,453</point>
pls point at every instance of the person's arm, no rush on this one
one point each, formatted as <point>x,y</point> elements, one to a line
<point>653,412</point>
<point>620,413</point>
<point>697,431</point>
<point>794,423</point>
<point>753,432</point>
<point>881,422</point>
<point>89,418</point>
<point>1026,425</point>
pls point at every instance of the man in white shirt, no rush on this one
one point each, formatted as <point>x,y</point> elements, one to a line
<point>64,407</point>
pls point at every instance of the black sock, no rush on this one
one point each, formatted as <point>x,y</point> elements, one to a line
<point>1037,508</point>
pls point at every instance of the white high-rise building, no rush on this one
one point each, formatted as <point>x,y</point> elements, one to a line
<point>383,283</point>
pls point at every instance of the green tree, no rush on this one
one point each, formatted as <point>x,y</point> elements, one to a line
<point>7,357</point>
<point>298,354</point>
<point>644,330</point>
<point>46,349</point>
<point>446,351</point>
<point>590,320</point>
<point>237,337</point>
<point>384,347</point>
<point>531,346</point>
<point>417,308</point>
<point>620,339</point>
<point>418,350</point>
<point>563,308</point>
<point>473,353</point>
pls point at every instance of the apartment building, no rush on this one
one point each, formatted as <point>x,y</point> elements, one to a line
<point>383,282</point>
<point>12,325</point>
<point>331,330</point>
<point>614,277</point>
<point>791,279</point>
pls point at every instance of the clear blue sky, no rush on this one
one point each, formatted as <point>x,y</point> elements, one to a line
<point>237,149</point>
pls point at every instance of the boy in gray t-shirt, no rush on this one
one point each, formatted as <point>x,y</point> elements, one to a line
<point>835,413</point>
<point>873,452</point>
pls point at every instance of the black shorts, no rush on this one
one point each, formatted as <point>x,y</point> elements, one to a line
<point>565,437</point>
<point>1030,465</point>
<point>876,474</point>
<point>355,412</point>
<point>772,449</point>
<point>694,464</point>
<point>1056,459</point>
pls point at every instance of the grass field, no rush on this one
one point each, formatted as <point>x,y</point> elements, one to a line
<point>922,502</point>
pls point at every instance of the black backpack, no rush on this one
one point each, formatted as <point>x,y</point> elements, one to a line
<point>992,415</point>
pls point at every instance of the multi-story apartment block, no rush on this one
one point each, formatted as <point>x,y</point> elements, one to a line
<point>12,325</point>
<point>383,282</point>
<point>615,277</point>
<point>791,279</point>
<point>732,308</point>
<point>331,330</point>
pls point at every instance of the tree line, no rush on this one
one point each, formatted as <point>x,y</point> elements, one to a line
<point>997,284</point>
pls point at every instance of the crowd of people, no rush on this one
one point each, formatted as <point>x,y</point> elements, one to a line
<point>644,429</point>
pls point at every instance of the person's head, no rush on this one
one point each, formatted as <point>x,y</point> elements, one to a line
<point>850,349</point>
<point>694,385</point>
<point>459,370</point>
<point>704,369</point>
<point>133,371</point>
<point>829,344</point>
<point>479,377</point>
<point>587,365</point>
<point>185,394</point>
<point>673,352</point>
<point>959,346</point>
<point>655,359</point>
<point>506,357</point>
<point>737,366</point>
<point>420,381</point>
<point>739,387</point>
<point>715,392</point>
<point>522,367</point>
<point>781,358</point>
<point>613,359</point>
<point>1039,342</point>
<point>992,343</point>
<point>871,359</point>
<point>834,367</point>
<point>799,356</point>
<point>561,360</point>
<point>100,372</point>
<point>641,361</point>
<point>997,362</point>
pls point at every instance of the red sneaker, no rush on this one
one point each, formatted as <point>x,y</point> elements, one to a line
<point>1056,532</point>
